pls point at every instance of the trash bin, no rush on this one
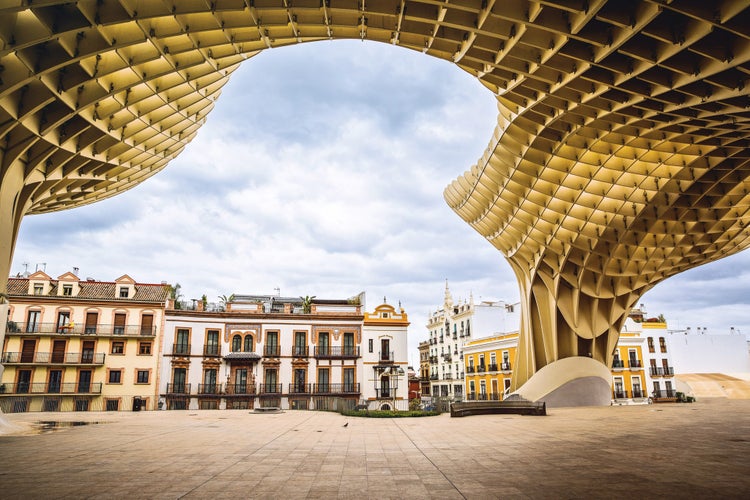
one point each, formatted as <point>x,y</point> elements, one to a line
<point>137,404</point>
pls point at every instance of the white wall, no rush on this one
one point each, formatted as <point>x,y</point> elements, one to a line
<point>693,353</point>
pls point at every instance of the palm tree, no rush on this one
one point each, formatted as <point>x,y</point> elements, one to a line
<point>307,303</point>
<point>224,300</point>
<point>174,294</point>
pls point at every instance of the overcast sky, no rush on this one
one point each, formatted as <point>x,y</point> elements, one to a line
<point>321,172</point>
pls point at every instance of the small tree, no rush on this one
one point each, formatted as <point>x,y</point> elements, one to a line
<point>307,303</point>
<point>174,294</point>
<point>224,300</point>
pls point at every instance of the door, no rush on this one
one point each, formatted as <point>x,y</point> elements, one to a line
<point>119,327</point>
<point>495,393</point>
<point>182,345</point>
<point>58,351</point>
<point>271,381</point>
<point>385,350</point>
<point>84,381</point>
<point>63,322</point>
<point>147,324</point>
<point>92,319</point>
<point>212,343</point>
<point>55,381</point>
<point>385,391</point>
<point>87,353</point>
<point>300,343</point>
<point>240,381</point>
<point>24,381</point>
<point>209,381</point>
<point>348,344</point>
<point>178,380</point>
<point>299,380</point>
<point>636,387</point>
<point>27,351</point>
<point>349,385</point>
<point>323,346</point>
<point>32,323</point>
<point>323,381</point>
<point>619,389</point>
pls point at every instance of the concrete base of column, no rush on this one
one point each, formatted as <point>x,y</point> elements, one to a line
<point>575,381</point>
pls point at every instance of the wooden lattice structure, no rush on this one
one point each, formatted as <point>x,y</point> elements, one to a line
<point>620,156</point>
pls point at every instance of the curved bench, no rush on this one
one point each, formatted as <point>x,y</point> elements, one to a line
<point>498,407</point>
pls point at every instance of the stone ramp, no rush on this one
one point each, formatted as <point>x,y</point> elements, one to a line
<point>717,385</point>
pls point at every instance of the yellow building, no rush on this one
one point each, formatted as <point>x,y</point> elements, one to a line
<point>628,376</point>
<point>488,365</point>
<point>81,345</point>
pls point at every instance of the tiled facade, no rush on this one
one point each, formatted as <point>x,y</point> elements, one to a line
<point>81,345</point>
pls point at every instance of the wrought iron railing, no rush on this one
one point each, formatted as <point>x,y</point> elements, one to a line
<point>65,358</point>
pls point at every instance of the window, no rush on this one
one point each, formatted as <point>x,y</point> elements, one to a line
<point>123,292</point>
<point>119,326</point>
<point>144,348</point>
<point>236,343</point>
<point>118,347</point>
<point>182,345</point>
<point>115,376</point>
<point>38,288</point>
<point>63,322</point>
<point>142,377</point>
<point>369,345</point>
<point>650,344</point>
<point>662,344</point>
<point>212,343</point>
<point>248,343</point>
<point>272,344</point>
<point>300,344</point>
<point>113,404</point>
<point>67,290</point>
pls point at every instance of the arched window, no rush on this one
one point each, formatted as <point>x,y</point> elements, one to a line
<point>236,343</point>
<point>249,343</point>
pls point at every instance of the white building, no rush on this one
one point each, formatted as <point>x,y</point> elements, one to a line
<point>279,352</point>
<point>455,324</point>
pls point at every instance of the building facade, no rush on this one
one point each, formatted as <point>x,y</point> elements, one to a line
<point>454,325</point>
<point>267,351</point>
<point>81,345</point>
<point>424,367</point>
<point>489,366</point>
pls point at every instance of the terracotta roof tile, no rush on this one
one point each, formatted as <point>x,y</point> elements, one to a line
<point>100,290</point>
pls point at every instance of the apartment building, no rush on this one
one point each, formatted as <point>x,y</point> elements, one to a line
<point>73,344</point>
<point>269,351</point>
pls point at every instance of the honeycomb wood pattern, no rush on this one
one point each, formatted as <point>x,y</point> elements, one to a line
<point>619,159</point>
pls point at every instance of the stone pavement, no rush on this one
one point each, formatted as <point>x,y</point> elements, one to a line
<point>699,450</point>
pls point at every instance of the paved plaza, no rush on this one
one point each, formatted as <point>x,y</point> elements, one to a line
<point>672,450</point>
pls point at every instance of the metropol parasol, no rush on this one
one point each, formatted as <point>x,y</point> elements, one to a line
<point>620,156</point>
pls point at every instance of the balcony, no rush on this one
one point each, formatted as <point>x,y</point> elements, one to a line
<point>348,388</point>
<point>481,369</point>
<point>336,352</point>
<point>505,366</point>
<point>493,367</point>
<point>99,329</point>
<point>470,369</point>
<point>447,357</point>
<point>433,360</point>
<point>661,371</point>
<point>178,388</point>
<point>441,339</point>
<point>273,351</point>
<point>270,388</point>
<point>180,349</point>
<point>299,388</point>
<point>619,394</point>
<point>618,364</point>
<point>447,376</point>
<point>55,358</point>
<point>385,392</point>
<point>434,377</point>
<point>240,389</point>
<point>209,389</point>
<point>211,350</point>
<point>635,363</point>
<point>51,388</point>
<point>386,357</point>
<point>637,393</point>
<point>300,351</point>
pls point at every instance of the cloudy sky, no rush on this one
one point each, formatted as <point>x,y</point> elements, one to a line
<point>321,172</point>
